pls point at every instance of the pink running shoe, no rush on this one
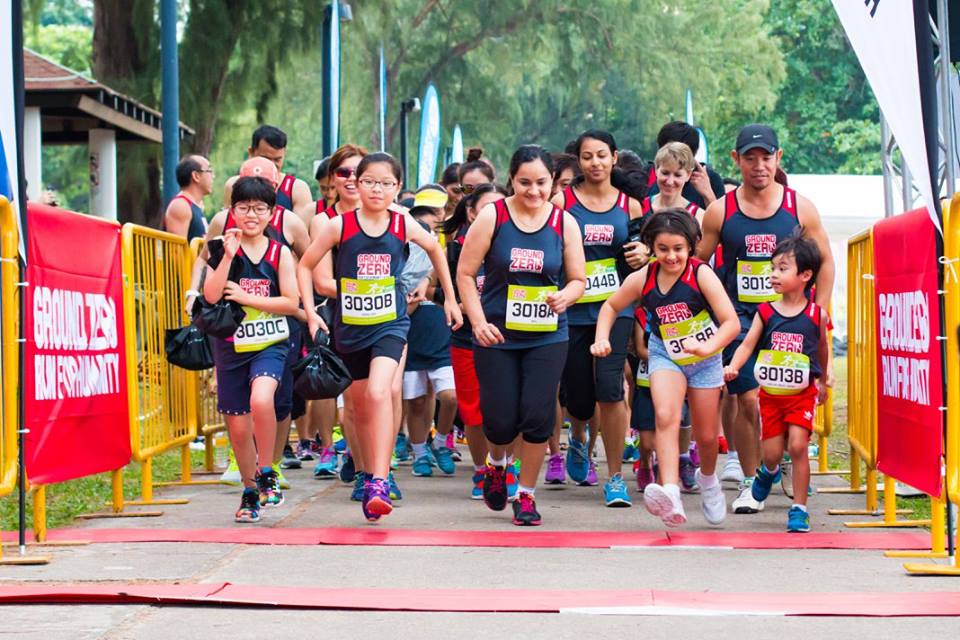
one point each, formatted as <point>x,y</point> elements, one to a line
<point>644,477</point>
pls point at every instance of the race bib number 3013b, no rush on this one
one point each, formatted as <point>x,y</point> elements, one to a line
<point>753,281</point>
<point>259,330</point>
<point>782,373</point>
<point>527,309</point>
<point>366,302</point>
<point>602,280</point>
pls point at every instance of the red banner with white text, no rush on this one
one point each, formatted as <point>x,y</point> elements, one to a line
<point>909,362</point>
<point>75,402</point>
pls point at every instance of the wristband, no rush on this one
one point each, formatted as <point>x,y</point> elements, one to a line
<point>191,292</point>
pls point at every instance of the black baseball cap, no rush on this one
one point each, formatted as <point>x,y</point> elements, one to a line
<point>757,136</point>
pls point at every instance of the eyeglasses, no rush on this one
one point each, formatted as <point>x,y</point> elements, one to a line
<point>467,189</point>
<point>207,170</point>
<point>370,183</point>
<point>260,210</point>
<point>344,172</point>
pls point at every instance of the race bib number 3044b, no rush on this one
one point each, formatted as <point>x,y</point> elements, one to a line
<point>782,373</point>
<point>366,302</point>
<point>676,335</point>
<point>602,280</point>
<point>753,281</point>
<point>527,309</point>
<point>259,330</point>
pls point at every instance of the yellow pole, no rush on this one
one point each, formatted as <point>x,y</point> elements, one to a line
<point>854,469</point>
<point>208,452</point>
<point>116,481</point>
<point>823,463</point>
<point>872,491</point>
<point>40,513</point>
<point>146,481</point>
<point>185,463</point>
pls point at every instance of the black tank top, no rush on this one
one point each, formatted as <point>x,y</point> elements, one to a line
<point>788,360</point>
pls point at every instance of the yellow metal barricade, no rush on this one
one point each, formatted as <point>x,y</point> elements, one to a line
<point>10,307</point>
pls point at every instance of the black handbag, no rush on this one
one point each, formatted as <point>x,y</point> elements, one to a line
<point>220,320</point>
<point>321,373</point>
<point>188,348</point>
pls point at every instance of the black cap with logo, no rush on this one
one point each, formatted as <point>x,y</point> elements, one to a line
<point>757,136</point>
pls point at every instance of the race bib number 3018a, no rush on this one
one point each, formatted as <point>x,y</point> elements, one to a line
<point>366,302</point>
<point>527,309</point>
<point>602,280</point>
<point>782,373</point>
<point>753,281</point>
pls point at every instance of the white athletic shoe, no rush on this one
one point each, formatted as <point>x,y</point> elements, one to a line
<point>712,501</point>
<point>664,502</point>
<point>732,471</point>
<point>745,502</point>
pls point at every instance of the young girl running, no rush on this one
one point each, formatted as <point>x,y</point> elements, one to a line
<point>250,365</point>
<point>461,342</point>
<point>684,302</point>
<point>532,259</point>
<point>370,321</point>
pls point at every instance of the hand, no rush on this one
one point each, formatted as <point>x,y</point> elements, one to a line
<point>729,373</point>
<point>558,301</point>
<point>821,392</point>
<point>636,254</point>
<point>419,293</point>
<point>188,305</point>
<point>453,313</point>
<point>315,323</point>
<point>830,380</point>
<point>231,243</point>
<point>600,348</point>
<point>487,335</point>
<point>233,293</point>
<point>699,349</point>
<point>701,182</point>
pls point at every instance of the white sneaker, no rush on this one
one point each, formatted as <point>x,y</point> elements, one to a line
<point>664,502</point>
<point>732,471</point>
<point>712,501</point>
<point>745,502</point>
<point>232,474</point>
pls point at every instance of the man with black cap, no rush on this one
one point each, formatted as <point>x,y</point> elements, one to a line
<point>749,222</point>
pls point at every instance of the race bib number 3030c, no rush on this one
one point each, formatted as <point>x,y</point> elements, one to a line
<point>259,330</point>
<point>366,302</point>
<point>527,309</point>
<point>676,335</point>
<point>602,280</point>
<point>782,373</point>
<point>753,281</point>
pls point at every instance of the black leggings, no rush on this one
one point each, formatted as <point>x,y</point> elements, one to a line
<point>518,391</point>
<point>588,380</point>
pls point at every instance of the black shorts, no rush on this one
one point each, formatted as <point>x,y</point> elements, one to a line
<point>588,380</point>
<point>642,415</point>
<point>745,381</point>
<point>358,362</point>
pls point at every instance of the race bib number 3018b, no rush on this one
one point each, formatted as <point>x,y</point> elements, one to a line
<point>782,373</point>
<point>527,309</point>
<point>676,335</point>
<point>753,281</point>
<point>602,280</point>
<point>366,302</point>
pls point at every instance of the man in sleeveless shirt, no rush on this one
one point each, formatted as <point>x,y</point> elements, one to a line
<point>184,215</point>
<point>749,222</point>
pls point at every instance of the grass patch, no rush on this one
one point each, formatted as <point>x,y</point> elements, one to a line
<point>67,500</point>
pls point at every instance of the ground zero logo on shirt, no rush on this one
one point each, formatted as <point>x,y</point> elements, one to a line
<point>781,341</point>
<point>760,245</point>
<point>373,265</point>
<point>594,234</point>
<point>677,312</point>
<point>259,287</point>
<point>528,260</point>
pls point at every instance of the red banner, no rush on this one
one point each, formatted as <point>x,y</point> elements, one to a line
<point>909,363</point>
<point>75,366</point>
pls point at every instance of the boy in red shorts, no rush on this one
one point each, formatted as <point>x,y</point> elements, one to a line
<point>792,368</point>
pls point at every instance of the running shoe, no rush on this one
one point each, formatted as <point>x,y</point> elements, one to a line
<point>664,502</point>
<point>376,499</point>
<point>644,478</point>
<point>326,468</point>
<point>395,493</point>
<point>578,464</point>
<point>744,503</point>
<point>444,458</point>
<point>495,487</point>
<point>402,449</point>
<point>289,459</point>
<point>339,442</point>
<point>347,469</point>
<point>268,486</point>
<point>763,482</point>
<point>282,482</point>
<point>305,450</point>
<point>712,503</point>
<point>694,453</point>
<point>452,445</point>
<point>249,510</point>
<point>477,492</point>
<point>513,480</point>
<point>525,512</point>
<point>555,474</point>
<point>394,461</point>
<point>798,520</point>
<point>722,446</point>
<point>359,485</point>
<point>786,476</point>
<point>316,446</point>
<point>732,471</point>
<point>232,474</point>
<point>615,492</point>
<point>631,453</point>
<point>591,480</point>
<point>422,467</point>
<point>688,475</point>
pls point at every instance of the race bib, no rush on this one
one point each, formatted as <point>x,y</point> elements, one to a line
<point>366,302</point>
<point>259,330</point>
<point>602,280</point>
<point>753,281</point>
<point>782,373</point>
<point>527,309</point>
<point>643,373</point>
<point>699,328</point>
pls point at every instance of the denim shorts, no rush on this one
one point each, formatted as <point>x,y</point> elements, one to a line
<point>706,374</point>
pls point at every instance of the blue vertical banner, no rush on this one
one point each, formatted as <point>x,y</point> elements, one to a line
<point>457,145</point>
<point>383,101</point>
<point>429,137</point>
<point>170,97</point>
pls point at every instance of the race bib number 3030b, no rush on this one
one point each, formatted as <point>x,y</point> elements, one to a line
<point>782,373</point>
<point>602,280</point>
<point>676,335</point>
<point>366,302</point>
<point>259,330</point>
<point>527,309</point>
<point>753,281</point>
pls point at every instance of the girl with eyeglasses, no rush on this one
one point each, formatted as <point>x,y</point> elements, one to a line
<point>370,319</point>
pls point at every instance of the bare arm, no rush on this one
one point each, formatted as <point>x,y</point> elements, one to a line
<point>723,311</point>
<point>303,202</point>
<point>745,350</point>
<point>428,243</point>
<point>630,290</point>
<point>326,238</point>
<point>475,248</point>
<point>296,233</point>
<point>323,280</point>
<point>710,225</point>
<point>574,267</point>
<point>228,191</point>
<point>636,209</point>
<point>809,218</point>
<point>177,217</point>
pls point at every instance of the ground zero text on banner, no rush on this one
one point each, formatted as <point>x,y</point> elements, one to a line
<point>904,320</point>
<point>67,321</point>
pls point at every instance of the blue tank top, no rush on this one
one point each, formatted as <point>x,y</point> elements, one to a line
<point>788,359</point>
<point>520,269</point>
<point>748,245</point>
<point>285,191</point>
<point>198,222</point>
<point>428,342</point>
<point>367,270</point>
<point>462,337</point>
<point>603,235</point>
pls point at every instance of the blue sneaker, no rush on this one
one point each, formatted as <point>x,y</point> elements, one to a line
<point>763,482</point>
<point>394,487</point>
<point>615,492</point>
<point>444,458</point>
<point>631,453</point>
<point>798,520</point>
<point>477,492</point>
<point>513,480</point>
<point>422,467</point>
<point>327,466</point>
<point>340,446</point>
<point>359,485</point>
<point>347,469</point>
<point>402,447</point>
<point>578,463</point>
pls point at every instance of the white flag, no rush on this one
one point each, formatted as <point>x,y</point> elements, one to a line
<point>8,127</point>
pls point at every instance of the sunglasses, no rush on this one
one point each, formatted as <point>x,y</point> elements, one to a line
<point>344,172</point>
<point>467,189</point>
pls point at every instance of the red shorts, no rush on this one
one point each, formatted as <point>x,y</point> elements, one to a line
<point>776,412</point>
<point>468,387</point>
